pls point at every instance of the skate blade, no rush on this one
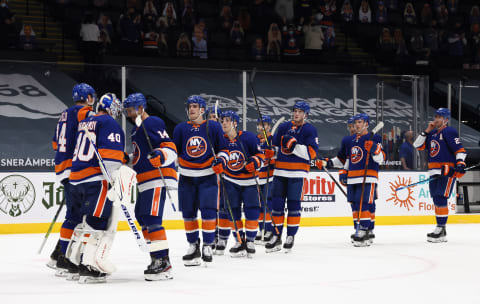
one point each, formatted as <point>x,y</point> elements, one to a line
<point>287,250</point>
<point>437,240</point>
<point>73,276</point>
<point>274,249</point>
<point>361,244</point>
<point>91,280</point>
<point>52,264</point>
<point>61,273</point>
<point>194,262</point>
<point>240,254</point>
<point>219,252</point>
<point>250,255</point>
<point>159,276</point>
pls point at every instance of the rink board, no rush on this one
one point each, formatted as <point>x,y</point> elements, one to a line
<point>29,201</point>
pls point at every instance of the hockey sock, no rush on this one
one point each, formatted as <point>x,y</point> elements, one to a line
<point>209,220</point>
<point>224,224</point>
<point>237,215</point>
<point>441,210</point>
<point>251,222</point>
<point>155,236</point>
<point>293,218</point>
<point>278,212</point>
<point>191,226</point>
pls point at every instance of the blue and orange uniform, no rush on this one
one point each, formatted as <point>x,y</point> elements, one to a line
<point>266,172</point>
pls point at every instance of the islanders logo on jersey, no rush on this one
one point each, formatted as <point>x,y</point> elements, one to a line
<point>356,154</point>
<point>136,153</point>
<point>236,160</point>
<point>196,146</point>
<point>434,148</point>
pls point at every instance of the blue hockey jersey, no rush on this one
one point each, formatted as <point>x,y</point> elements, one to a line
<point>268,165</point>
<point>357,156</point>
<point>110,141</point>
<point>148,177</point>
<point>444,148</point>
<point>195,156</point>
<point>238,158</point>
<point>64,139</point>
<point>296,163</point>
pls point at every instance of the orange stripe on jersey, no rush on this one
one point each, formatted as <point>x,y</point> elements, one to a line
<point>449,186</point>
<point>191,225</point>
<point>187,164</point>
<point>292,166</point>
<point>293,220</point>
<point>360,173</point>
<point>111,154</point>
<point>155,202</point>
<point>167,172</point>
<point>461,150</point>
<point>79,175</point>
<point>224,223</point>
<point>439,165</point>
<point>66,233</point>
<point>63,165</point>
<point>312,153</point>
<point>159,235</point>
<point>441,210</point>
<point>365,215</point>
<point>251,225</point>
<point>54,145</point>
<point>209,224</point>
<point>169,144</point>
<point>102,198</point>
<point>83,112</point>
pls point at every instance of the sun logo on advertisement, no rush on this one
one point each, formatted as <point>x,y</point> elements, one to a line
<point>196,146</point>
<point>236,160</point>
<point>17,195</point>
<point>434,148</point>
<point>402,198</point>
<point>356,154</point>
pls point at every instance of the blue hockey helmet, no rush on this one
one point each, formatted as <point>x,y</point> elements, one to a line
<point>197,99</point>
<point>444,112</point>
<point>362,116</point>
<point>134,101</point>
<point>81,91</point>
<point>212,110</point>
<point>111,104</point>
<point>302,105</point>
<point>351,120</point>
<point>265,118</point>
<point>233,116</point>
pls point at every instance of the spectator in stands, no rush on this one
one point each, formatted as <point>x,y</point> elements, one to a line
<point>27,40</point>
<point>237,36</point>
<point>184,47</point>
<point>442,16</point>
<point>188,18</point>
<point>274,35</point>
<point>273,51</point>
<point>406,151</point>
<point>474,14</point>
<point>105,24</point>
<point>417,46</point>
<point>329,42</point>
<point>381,13</point>
<point>313,37</point>
<point>409,16</point>
<point>290,38</point>
<point>365,13</point>
<point>150,10</point>
<point>258,51</point>
<point>226,18</point>
<point>170,14</point>
<point>162,45</point>
<point>130,28</point>
<point>203,27</point>
<point>430,38</point>
<point>90,35</point>
<point>328,9</point>
<point>452,6</point>
<point>284,9</point>
<point>7,26</point>
<point>150,41</point>
<point>105,43</point>
<point>199,43</point>
<point>347,11</point>
<point>426,16</point>
<point>385,43</point>
<point>457,43</point>
<point>391,5</point>
<point>399,47</point>
<point>245,19</point>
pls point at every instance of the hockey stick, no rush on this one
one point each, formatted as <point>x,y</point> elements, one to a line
<point>334,179</point>
<point>224,190</point>
<point>250,81</point>
<point>138,122</point>
<point>275,126</point>
<point>432,178</point>
<point>260,193</point>
<point>140,242</point>
<point>51,225</point>
<point>377,128</point>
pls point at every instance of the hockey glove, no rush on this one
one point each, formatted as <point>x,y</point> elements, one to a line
<point>288,142</point>
<point>269,153</point>
<point>368,145</point>
<point>343,176</point>
<point>157,158</point>
<point>253,164</point>
<point>460,169</point>
<point>447,171</point>
<point>320,163</point>
<point>219,165</point>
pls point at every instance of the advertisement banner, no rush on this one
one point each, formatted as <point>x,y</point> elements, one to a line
<point>35,197</point>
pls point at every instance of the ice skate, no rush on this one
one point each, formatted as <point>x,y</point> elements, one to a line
<point>160,269</point>
<point>287,247</point>
<point>192,258</point>
<point>439,235</point>
<point>275,244</point>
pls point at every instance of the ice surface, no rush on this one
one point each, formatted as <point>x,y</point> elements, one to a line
<point>401,267</point>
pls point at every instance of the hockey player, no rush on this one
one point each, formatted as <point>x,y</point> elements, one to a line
<point>297,143</point>
<point>198,186</point>
<point>245,158</point>
<point>446,161</point>
<point>89,190</point>
<point>339,160</point>
<point>151,197</point>
<point>358,150</point>
<point>266,171</point>
<point>212,115</point>
<point>64,141</point>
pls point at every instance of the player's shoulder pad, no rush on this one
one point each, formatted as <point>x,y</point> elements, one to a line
<point>377,138</point>
<point>247,135</point>
<point>154,122</point>
<point>451,131</point>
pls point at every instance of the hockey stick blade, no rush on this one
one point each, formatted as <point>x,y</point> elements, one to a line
<point>275,126</point>
<point>378,127</point>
